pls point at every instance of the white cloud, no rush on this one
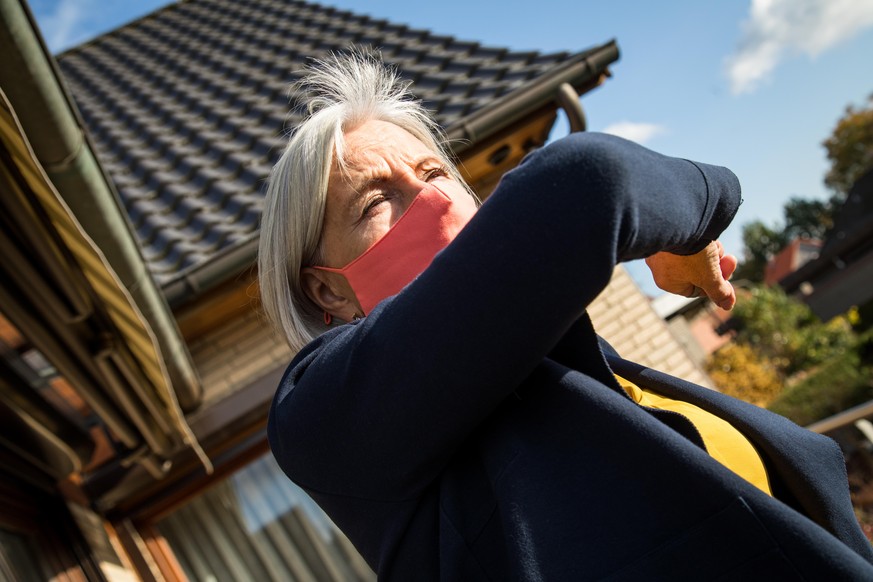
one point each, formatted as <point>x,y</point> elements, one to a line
<point>777,29</point>
<point>638,132</point>
<point>63,27</point>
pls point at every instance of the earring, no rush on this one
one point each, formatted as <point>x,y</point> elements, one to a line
<point>327,318</point>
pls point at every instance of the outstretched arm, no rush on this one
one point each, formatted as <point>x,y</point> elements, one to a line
<point>376,409</point>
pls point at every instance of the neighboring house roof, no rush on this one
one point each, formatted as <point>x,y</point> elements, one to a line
<point>793,256</point>
<point>668,305</point>
<point>854,218</point>
<point>842,275</point>
<point>188,107</point>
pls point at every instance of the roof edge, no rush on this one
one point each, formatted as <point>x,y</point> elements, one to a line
<point>578,71</point>
<point>190,284</point>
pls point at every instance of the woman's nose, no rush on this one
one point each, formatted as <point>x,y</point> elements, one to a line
<point>411,185</point>
<point>410,179</point>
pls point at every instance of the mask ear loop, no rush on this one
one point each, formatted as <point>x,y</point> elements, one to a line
<point>328,318</point>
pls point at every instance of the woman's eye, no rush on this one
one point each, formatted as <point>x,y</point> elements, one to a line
<point>372,204</point>
<point>440,172</point>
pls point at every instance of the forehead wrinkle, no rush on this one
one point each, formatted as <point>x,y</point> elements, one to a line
<point>371,159</point>
<point>361,176</point>
<point>378,165</point>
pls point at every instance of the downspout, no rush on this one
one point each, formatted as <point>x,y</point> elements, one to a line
<point>568,99</point>
<point>30,79</point>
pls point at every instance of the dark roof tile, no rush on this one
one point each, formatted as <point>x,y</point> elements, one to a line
<point>188,107</point>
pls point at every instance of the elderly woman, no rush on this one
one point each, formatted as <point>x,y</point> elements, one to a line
<point>451,407</point>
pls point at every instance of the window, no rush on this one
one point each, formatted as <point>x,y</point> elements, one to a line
<point>257,525</point>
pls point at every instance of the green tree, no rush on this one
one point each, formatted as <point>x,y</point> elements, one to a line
<point>808,218</point>
<point>760,243</point>
<point>786,333</point>
<point>850,152</point>
<point>783,357</point>
<point>850,148</point>
<point>825,366</point>
<point>802,218</point>
<point>840,383</point>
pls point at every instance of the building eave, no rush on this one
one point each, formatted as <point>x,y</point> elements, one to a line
<point>119,342</point>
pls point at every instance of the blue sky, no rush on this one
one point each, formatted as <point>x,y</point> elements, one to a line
<point>754,85</point>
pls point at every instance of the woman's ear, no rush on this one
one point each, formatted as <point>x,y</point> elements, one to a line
<point>331,292</point>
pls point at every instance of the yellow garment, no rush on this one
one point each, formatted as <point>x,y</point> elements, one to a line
<point>724,443</point>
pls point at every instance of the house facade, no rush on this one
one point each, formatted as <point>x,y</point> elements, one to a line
<point>841,276</point>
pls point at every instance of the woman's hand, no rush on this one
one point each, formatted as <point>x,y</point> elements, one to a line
<point>704,273</point>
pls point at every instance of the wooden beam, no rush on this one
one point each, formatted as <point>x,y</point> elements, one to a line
<point>484,165</point>
<point>219,305</point>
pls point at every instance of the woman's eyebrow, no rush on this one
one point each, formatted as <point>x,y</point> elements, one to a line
<point>363,180</point>
<point>364,185</point>
<point>423,159</point>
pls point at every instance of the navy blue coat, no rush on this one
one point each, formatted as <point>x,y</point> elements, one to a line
<point>470,428</point>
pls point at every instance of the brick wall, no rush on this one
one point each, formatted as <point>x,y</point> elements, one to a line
<point>246,348</point>
<point>623,316</point>
<point>237,354</point>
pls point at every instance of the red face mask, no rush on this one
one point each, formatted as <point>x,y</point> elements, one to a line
<point>430,223</point>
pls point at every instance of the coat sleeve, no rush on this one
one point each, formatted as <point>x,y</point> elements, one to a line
<point>376,409</point>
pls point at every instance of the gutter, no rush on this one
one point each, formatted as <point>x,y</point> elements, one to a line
<point>46,112</point>
<point>190,285</point>
<point>581,73</point>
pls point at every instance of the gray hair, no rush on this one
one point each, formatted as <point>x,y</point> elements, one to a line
<point>344,92</point>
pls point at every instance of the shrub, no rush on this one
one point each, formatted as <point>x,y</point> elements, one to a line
<point>785,332</point>
<point>738,371</point>
<point>840,383</point>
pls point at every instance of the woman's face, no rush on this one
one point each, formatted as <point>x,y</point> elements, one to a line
<point>386,168</point>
